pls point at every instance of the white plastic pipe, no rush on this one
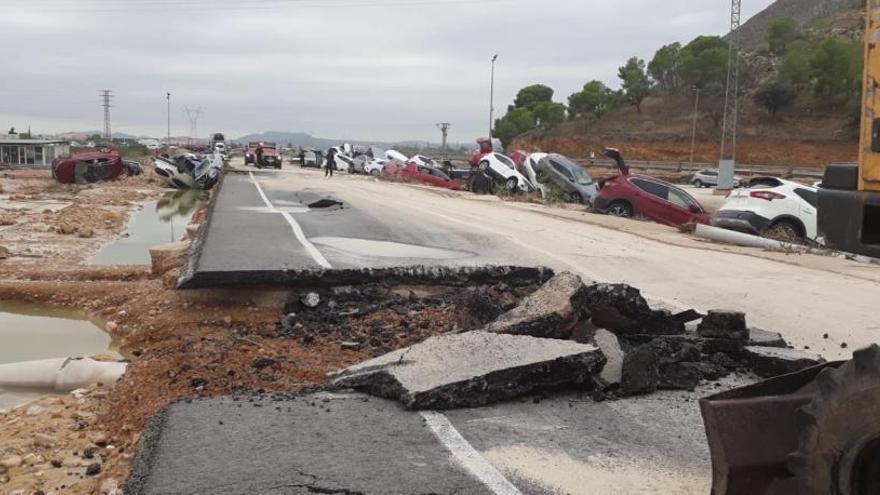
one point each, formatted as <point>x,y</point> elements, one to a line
<point>60,375</point>
<point>741,239</point>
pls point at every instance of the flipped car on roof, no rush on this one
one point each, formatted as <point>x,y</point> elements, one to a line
<point>88,165</point>
<point>771,205</point>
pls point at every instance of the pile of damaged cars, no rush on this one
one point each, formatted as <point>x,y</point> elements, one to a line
<point>87,165</point>
<point>189,171</point>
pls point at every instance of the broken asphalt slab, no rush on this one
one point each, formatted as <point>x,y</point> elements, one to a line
<point>473,369</point>
<point>321,443</point>
<point>548,312</point>
<point>768,362</point>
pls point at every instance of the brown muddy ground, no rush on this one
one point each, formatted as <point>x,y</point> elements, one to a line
<point>182,345</point>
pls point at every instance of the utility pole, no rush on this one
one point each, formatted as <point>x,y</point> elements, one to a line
<point>696,113</point>
<point>193,114</point>
<point>727,165</point>
<point>106,102</point>
<point>492,98</point>
<point>444,128</point>
<point>168,139</point>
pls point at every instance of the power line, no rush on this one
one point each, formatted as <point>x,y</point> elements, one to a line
<point>193,114</point>
<point>106,102</point>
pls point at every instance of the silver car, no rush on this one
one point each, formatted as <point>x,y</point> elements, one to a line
<point>577,183</point>
<point>709,178</point>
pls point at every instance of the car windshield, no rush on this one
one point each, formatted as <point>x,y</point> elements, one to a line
<point>581,176</point>
<point>503,159</point>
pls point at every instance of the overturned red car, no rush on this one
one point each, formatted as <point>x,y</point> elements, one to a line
<point>628,195</point>
<point>426,175</point>
<point>88,165</point>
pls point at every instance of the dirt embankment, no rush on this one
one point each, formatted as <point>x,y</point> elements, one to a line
<point>182,344</point>
<point>803,137</point>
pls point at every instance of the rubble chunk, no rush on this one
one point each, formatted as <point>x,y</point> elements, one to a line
<point>548,312</point>
<point>768,362</point>
<point>166,257</point>
<point>680,376</point>
<point>621,309</point>
<point>722,324</point>
<point>763,338</point>
<point>641,371</point>
<point>610,346</point>
<point>472,369</point>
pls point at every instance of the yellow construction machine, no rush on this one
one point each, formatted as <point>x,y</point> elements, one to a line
<point>849,199</point>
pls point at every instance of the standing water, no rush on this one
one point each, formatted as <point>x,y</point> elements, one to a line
<point>157,223</point>
<point>30,332</point>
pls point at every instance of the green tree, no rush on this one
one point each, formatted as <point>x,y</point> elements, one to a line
<point>549,114</point>
<point>635,83</point>
<point>592,101</point>
<point>775,97</point>
<point>836,69</point>
<point>516,122</point>
<point>704,63</point>
<point>530,96</point>
<point>665,67</point>
<point>782,33</point>
<point>795,68</point>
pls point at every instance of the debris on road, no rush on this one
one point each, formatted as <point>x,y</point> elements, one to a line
<point>548,312</point>
<point>768,362</point>
<point>473,369</point>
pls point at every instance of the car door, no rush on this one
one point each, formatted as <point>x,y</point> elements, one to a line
<point>808,212</point>
<point>653,202</point>
<point>424,175</point>
<point>563,176</point>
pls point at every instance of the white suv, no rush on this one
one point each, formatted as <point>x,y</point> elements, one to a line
<point>502,169</point>
<point>769,204</point>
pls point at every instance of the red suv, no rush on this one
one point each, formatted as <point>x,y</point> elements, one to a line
<point>629,195</point>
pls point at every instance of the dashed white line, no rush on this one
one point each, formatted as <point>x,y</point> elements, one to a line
<point>467,456</point>
<point>297,230</point>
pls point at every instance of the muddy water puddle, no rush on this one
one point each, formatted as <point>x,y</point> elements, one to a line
<point>158,222</point>
<point>30,332</point>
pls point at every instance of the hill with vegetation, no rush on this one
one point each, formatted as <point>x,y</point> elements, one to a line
<point>800,93</point>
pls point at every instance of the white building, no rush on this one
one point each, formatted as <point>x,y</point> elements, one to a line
<point>31,153</point>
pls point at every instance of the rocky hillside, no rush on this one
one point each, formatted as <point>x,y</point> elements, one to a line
<point>753,33</point>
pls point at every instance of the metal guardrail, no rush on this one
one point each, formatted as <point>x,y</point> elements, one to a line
<point>773,170</point>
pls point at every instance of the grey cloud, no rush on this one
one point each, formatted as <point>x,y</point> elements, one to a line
<point>384,72</point>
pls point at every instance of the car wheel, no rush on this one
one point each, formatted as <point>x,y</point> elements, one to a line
<point>786,229</point>
<point>698,183</point>
<point>575,197</point>
<point>484,166</point>
<point>620,209</point>
<point>375,172</point>
<point>512,184</point>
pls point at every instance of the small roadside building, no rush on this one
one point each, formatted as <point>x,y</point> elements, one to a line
<point>31,153</point>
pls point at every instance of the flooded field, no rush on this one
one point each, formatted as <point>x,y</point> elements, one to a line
<point>157,223</point>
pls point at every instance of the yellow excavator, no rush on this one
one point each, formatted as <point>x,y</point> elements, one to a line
<point>849,199</point>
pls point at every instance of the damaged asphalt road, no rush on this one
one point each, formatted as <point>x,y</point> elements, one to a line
<point>510,365</point>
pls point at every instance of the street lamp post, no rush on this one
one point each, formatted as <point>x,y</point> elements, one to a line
<point>492,98</point>
<point>694,132</point>
<point>168,137</point>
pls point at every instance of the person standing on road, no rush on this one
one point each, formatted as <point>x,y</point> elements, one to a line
<point>259,155</point>
<point>331,162</point>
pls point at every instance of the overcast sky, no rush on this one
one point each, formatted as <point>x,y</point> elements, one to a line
<point>355,69</point>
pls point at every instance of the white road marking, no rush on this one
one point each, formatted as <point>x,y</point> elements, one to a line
<point>297,230</point>
<point>467,456</point>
